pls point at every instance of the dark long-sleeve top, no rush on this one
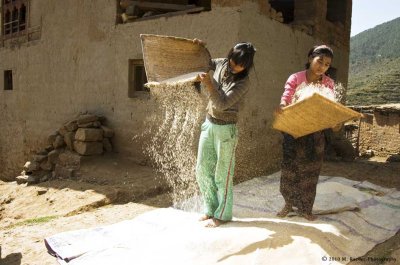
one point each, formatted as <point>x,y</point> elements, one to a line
<point>225,99</point>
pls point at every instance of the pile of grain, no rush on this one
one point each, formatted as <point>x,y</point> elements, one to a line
<point>304,91</point>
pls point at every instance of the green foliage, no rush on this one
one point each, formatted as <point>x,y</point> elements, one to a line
<point>374,76</point>
<point>34,221</point>
<point>382,41</point>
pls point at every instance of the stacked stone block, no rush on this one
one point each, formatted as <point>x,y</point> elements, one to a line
<point>85,135</point>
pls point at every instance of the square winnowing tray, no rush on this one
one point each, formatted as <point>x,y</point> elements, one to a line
<point>311,115</point>
<point>167,57</point>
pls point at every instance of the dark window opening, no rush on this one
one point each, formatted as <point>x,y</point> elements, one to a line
<point>286,7</point>
<point>22,18</point>
<point>14,22</point>
<point>332,72</point>
<point>129,10</point>
<point>336,11</point>
<point>136,78</point>
<point>204,3</point>
<point>7,23</point>
<point>8,80</point>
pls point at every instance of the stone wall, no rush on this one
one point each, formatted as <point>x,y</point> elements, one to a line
<point>379,130</point>
<point>80,64</point>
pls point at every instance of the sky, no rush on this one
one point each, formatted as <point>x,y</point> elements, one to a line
<point>370,13</point>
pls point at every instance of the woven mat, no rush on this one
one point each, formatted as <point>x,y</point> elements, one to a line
<point>311,115</point>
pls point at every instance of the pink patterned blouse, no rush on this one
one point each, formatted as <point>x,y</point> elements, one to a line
<point>297,79</point>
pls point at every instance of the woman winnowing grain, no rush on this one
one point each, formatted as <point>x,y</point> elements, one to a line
<point>226,89</point>
<point>302,157</point>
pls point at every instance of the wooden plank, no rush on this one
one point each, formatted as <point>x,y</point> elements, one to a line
<point>160,6</point>
<point>170,14</point>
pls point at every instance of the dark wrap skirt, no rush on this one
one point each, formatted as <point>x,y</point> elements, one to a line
<point>301,166</point>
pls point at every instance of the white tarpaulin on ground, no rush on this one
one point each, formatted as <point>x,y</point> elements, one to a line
<point>353,218</point>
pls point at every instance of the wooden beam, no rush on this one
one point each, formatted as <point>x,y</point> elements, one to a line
<point>170,14</point>
<point>157,6</point>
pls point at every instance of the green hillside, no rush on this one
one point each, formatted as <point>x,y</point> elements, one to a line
<point>374,76</point>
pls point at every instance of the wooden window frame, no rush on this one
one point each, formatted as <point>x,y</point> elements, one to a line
<point>14,26</point>
<point>135,82</point>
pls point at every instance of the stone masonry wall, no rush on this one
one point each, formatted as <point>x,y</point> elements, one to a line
<point>379,131</point>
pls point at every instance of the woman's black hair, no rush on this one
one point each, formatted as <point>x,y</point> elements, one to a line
<point>319,50</point>
<point>241,54</point>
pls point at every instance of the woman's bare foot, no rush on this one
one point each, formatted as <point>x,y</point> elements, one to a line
<point>285,211</point>
<point>214,222</point>
<point>309,216</point>
<point>204,217</point>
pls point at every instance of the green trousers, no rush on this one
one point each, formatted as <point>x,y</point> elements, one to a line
<point>215,168</point>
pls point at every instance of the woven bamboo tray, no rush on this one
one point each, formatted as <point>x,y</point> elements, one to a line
<point>166,57</point>
<point>311,115</point>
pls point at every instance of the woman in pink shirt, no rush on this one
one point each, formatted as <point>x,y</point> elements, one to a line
<point>302,157</point>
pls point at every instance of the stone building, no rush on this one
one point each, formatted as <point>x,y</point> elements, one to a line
<point>61,58</point>
<point>378,132</point>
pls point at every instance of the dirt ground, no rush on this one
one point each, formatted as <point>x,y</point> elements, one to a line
<point>112,189</point>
